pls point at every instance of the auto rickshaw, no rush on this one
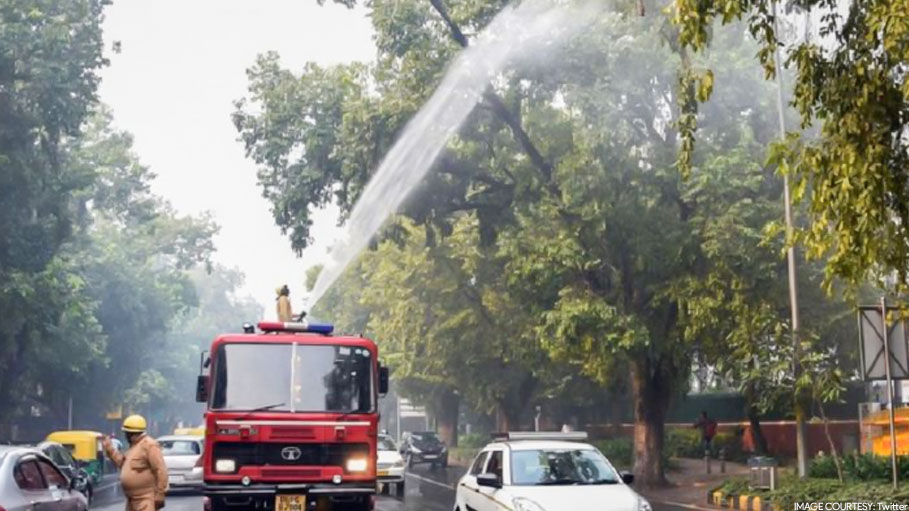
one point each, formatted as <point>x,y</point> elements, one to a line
<point>86,449</point>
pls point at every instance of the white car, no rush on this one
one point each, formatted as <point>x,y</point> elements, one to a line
<point>545,472</point>
<point>390,466</point>
<point>182,456</point>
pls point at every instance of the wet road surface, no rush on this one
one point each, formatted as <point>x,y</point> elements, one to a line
<point>426,490</point>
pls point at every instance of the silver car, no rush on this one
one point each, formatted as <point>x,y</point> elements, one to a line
<point>30,480</point>
<point>182,455</point>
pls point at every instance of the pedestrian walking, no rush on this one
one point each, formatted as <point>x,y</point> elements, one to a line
<point>143,474</point>
<point>708,428</point>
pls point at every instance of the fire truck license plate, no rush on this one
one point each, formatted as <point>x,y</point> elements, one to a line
<point>290,503</point>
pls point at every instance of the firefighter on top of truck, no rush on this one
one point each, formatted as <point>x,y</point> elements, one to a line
<point>285,314</point>
<point>143,474</point>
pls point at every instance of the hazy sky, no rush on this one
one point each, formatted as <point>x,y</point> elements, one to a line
<point>181,66</point>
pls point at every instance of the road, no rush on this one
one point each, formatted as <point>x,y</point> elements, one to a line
<point>427,490</point>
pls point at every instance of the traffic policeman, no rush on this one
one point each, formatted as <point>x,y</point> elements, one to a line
<point>143,474</point>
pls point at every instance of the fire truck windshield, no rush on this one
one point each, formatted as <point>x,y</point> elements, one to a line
<point>293,378</point>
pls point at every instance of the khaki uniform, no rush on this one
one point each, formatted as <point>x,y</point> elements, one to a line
<point>143,474</point>
<point>285,315</point>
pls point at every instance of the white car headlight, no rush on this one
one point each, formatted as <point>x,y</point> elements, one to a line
<point>225,466</point>
<point>398,464</point>
<point>525,504</point>
<point>357,465</point>
<point>643,505</point>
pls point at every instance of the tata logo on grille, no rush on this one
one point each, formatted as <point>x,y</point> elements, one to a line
<point>291,453</point>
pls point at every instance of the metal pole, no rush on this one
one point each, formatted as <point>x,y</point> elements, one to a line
<point>398,421</point>
<point>896,483</point>
<point>69,414</point>
<point>800,436</point>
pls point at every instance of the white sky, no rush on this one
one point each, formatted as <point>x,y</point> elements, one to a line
<point>182,65</point>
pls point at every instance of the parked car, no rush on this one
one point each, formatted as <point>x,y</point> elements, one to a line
<point>182,455</point>
<point>424,447</point>
<point>63,458</point>
<point>390,466</point>
<point>545,472</point>
<point>29,480</point>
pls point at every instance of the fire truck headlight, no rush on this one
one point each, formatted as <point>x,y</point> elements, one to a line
<point>357,465</point>
<point>225,466</point>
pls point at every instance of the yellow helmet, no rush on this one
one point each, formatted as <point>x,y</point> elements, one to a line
<point>135,424</point>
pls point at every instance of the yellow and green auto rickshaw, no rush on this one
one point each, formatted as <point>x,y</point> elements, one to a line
<point>86,449</point>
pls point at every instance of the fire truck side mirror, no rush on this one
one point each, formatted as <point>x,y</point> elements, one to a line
<point>202,388</point>
<point>383,380</point>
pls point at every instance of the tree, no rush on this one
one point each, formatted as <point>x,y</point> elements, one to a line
<point>220,310</point>
<point>48,80</point>
<point>445,325</point>
<point>559,202</point>
<point>134,252</point>
<point>850,82</point>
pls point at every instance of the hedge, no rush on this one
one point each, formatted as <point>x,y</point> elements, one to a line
<point>686,443</point>
<point>864,467</point>
<point>792,490</point>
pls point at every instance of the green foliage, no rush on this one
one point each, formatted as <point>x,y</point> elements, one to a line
<point>684,443</point>
<point>555,243</point>
<point>473,441</point>
<point>97,315</point>
<point>619,451</point>
<point>792,490</point>
<point>220,310</point>
<point>849,83</point>
<point>49,75</point>
<point>731,444</point>
<point>864,467</point>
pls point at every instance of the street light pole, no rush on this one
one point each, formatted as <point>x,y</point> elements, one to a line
<point>886,331</point>
<point>800,433</point>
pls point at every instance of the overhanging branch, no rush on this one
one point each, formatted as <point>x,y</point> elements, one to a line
<point>498,106</point>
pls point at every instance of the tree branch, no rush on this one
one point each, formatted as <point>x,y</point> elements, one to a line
<point>498,106</point>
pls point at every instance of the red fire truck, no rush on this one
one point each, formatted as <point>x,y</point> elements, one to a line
<point>291,422</point>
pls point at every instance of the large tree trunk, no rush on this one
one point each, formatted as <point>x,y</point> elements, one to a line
<point>505,419</point>
<point>757,434</point>
<point>651,402</point>
<point>447,418</point>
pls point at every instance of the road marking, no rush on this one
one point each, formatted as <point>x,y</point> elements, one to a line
<point>431,481</point>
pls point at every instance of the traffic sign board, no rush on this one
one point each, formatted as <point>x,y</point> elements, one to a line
<point>872,345</point>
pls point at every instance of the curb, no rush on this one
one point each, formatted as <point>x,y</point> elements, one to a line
<point>741,502</point>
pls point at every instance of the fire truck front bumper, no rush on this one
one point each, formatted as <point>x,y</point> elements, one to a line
<point>221,497</point>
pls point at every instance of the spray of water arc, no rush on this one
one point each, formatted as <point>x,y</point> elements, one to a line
<point>516,34</point>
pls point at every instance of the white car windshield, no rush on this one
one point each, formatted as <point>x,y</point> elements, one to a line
<point>387,444</point>
<point>560,467</point>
